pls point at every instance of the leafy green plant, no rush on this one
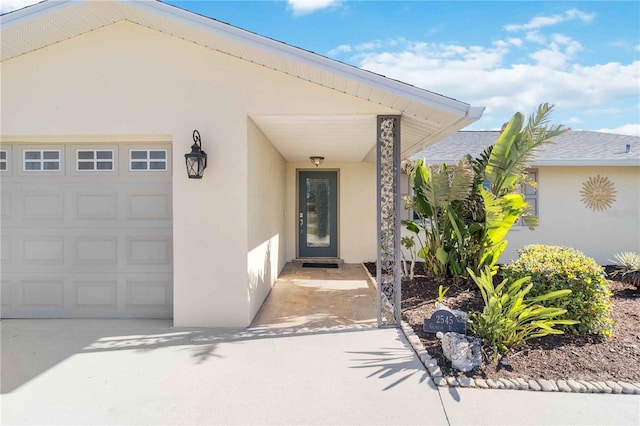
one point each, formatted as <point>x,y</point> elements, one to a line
<point>435,190</point>
<point>442,292</point>
<point>464,224</point>
<point>554,268</point>
<point>504,168</point>
<point>516,147</point>
<point>510,315</point>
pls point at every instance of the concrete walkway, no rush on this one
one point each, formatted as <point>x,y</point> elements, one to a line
<point>325,364</point>
<point>311,298</point>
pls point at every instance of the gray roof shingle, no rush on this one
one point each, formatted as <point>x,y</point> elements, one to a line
<point>572,148</point>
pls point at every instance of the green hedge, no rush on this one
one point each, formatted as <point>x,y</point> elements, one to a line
<point>555,268</point>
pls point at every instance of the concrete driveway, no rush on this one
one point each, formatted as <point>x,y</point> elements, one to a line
<point>146,372</point>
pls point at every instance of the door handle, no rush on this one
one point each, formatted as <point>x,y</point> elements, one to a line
<point>301,225</point>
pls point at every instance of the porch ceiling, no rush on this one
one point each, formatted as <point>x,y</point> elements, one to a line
<point>340,138</point>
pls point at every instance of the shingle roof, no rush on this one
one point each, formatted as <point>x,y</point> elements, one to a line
<point>572,148</point>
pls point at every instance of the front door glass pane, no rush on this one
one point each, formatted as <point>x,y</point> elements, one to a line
<point>318,208</point>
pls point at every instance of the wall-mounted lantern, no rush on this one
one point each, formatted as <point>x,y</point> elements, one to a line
<point>316,160</point>
<point>197,159</point>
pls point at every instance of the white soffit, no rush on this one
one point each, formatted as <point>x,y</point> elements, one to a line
<point>427,117</point>
<point>338,138</point>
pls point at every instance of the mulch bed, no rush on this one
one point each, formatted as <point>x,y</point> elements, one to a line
<point>551,357</point>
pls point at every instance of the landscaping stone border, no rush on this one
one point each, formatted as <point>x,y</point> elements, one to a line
<point>544,385</point>
<point>540,385</point>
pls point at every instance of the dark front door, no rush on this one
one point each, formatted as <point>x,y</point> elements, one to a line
<point>318,214</point>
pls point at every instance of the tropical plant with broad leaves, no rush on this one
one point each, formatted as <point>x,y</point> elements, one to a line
<point>466,211</point>
<point>436,189</point>
<point>510,316</point>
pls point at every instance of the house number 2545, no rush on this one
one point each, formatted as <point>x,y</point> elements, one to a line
<point>444,319</point>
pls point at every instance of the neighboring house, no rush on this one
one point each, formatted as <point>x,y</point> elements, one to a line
<point>587,196</point>
<point>99,103</point>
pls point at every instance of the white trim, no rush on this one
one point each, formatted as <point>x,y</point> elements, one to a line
<point>559,163</point>
<point>270,46</point>
<point>308,58</point>
<point>146,139</point>
<point>550,163</point>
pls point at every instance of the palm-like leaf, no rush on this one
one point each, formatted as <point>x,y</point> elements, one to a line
<point>516,147</point>
<point>440,186</point>
<point>461,181</point>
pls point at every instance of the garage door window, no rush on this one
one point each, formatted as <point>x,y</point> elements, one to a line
<point>41,160</point>
<point>3,160</point>
<point>153,159</point>
<point>95,160</point>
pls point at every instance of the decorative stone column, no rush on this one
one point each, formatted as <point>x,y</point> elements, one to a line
<point>389,256</point>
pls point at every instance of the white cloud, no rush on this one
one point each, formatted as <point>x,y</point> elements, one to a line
<point>535,37</point>
<point>343,48</point>
<point>484,75</point>
<point>515,41</point>
<point>573,120</point>
<point>558,52</point>
<point>305,7</point>
<point>481,76</point>
<point>9,5</point>
<point>544,21</point>
<point>627,129</point>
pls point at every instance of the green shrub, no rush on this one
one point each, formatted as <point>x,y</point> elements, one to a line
<point>554,268</point>
<point>511,315</point>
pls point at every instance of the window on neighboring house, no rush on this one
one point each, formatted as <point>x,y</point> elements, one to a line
<point>531,194</point>
<point>94,160</point>
<point>3,160</point>
<point>148,159</point>
<point>41,160</point>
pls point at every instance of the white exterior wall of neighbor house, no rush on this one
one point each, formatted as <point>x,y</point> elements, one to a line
<point>125,79</point>
<point>566,221</point>
<point>266,216</point>
<point>357,209</point>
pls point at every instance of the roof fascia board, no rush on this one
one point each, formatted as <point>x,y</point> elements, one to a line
<point>309,58</point>
<point>474,114</point>
<point>204,23</point>
<point>559,163</point>
<point>34,11</point>
<point>585,163</point>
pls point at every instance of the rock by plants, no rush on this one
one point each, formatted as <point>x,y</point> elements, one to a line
<point>464,352</point>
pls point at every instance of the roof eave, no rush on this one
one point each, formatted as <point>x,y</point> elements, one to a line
<point>310,58</point>
<point>587,163</point>
<point>204,23</point>
<point>472,115</point>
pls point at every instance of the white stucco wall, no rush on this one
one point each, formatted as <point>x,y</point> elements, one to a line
<point>566,221</point>
<point>266,217</point>
<point>125,79</point>
<point>356,210</point>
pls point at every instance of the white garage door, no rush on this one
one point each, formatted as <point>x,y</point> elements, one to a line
<point>86,230</point>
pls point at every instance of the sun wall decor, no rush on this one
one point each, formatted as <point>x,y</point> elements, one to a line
<point>598,193</point>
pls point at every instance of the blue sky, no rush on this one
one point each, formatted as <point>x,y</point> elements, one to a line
<point>582,56</point>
